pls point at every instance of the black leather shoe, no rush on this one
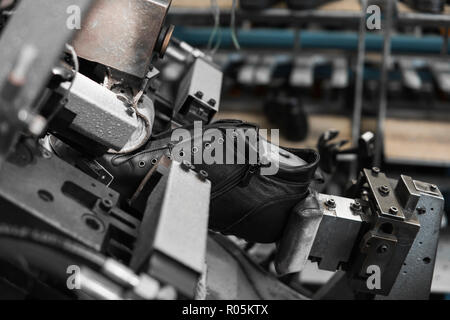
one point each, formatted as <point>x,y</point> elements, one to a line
<point>252,199</point>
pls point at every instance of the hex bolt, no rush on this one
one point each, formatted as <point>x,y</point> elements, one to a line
<point>356,206</point>
<point>199,94</point>
<point>106,204</point>
<point>375,170</point>
<point>393,210</point>
<point>330,203</point>
<point>421,210</point>
<point>384,190</point>
<point>212,102</point>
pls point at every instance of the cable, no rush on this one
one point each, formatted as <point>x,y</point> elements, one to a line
<point>216,13</point>
<point>233,26</point>
<point>46,256</point>
<point>52,241</point>
<point>218,43</point>
<point>76,66</point>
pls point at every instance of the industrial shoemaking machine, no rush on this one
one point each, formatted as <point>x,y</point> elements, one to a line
<point>99,201</point>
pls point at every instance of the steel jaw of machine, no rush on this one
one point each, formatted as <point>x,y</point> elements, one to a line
<point>378,240</point>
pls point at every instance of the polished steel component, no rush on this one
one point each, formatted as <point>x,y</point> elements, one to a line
<point>337,233</point>
<point>199,92</point>
<point>97,286</point>
<point>120,273</point>
<point>298,237</point>
<point>123,34</point>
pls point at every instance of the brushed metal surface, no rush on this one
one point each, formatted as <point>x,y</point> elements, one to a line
<point>122,34</point>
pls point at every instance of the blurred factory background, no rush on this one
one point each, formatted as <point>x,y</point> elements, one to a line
<point>306,67</point>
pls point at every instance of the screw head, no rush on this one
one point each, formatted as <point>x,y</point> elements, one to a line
<point>199,94</point>
<point>393,210</point>
<point>375,170</point>
<point>106,204</point>
<point>356,206</point>
<point>433,187</point>
<point>330,203</point>
<point>384,190</point>
<point>212,102</point>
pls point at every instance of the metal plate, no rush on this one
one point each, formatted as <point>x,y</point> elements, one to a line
<point>337,233</point>
<point>122,33</point>
<point>174,230</point>
<point>201,85</point>
<point>415,277</point>
<point>427,187</point>
<point>383,201</point>
<point>52,195</point>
